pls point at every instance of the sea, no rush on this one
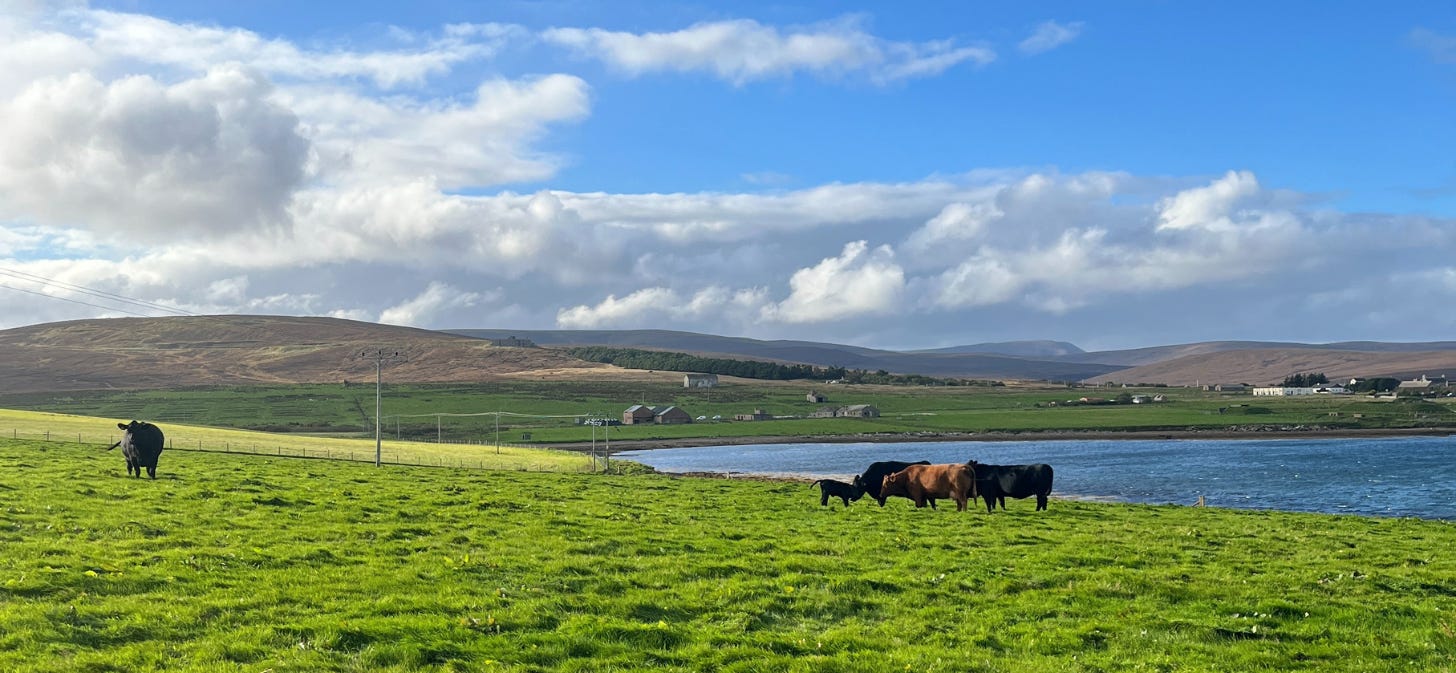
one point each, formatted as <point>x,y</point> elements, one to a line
<point>1389,477</point>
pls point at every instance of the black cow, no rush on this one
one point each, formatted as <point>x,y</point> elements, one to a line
<point>874,476</point>
<point>830,488</point>
<point>141,446</point>
<point>995,482</point>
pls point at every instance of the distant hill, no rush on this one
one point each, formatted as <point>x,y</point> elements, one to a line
<point>1269,366</point>
<point>149,353</point>
<point>1017,349</point>
<point>1143,356</point>
<point>964,365</point>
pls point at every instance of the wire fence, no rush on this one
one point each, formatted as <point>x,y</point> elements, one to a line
<point>487,458</point>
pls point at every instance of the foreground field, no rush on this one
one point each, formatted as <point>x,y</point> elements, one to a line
<point>247,563</point>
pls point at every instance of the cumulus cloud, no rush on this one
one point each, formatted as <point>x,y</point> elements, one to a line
<point>745,50</point>
<point>1049,35</point>
<point>858,282</point>
<point>425,307</point>
<point>136,156</point>
<point>1207,207</point>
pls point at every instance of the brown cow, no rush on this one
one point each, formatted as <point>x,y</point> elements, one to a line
<point>924,482</point>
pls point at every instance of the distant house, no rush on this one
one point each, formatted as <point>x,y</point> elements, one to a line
<point>638,414</point>
<point>672,416</point>
<point>757,415</point>
<point>825,412</point>
<point>859,411</point>
<point>816,398</point>
<point>1226,388</point>
<point>700,380</point>
<point>1421,384</point>
<point>513,342</point>
<point>1282,391</point>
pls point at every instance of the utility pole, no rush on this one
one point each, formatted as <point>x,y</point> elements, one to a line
<point>379,357</point>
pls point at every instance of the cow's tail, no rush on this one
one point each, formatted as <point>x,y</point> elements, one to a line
<point>814,483</point>
<point>113,446</point>
<point>975,492</point>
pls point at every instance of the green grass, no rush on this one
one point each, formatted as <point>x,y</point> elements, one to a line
<point>247,563</point>
<point>103,432</point>
<point>334,409</point>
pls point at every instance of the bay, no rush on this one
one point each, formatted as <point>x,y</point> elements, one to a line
<point>1396,477</point>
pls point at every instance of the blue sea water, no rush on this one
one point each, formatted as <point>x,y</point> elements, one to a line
<point>1403,476</point>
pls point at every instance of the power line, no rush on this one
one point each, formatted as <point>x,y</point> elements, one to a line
<point>102,294</point>
<point>74,301</point>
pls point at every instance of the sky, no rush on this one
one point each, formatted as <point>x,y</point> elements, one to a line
<point>1115,175</point>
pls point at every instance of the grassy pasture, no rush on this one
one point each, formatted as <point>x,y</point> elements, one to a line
<point>102,432</point>
<point>248,563</point>
<point>407,412</point>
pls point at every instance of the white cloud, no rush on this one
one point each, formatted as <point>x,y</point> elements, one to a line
<point>153,40</point>
<point>1207,207</point>
<point>485,141</point>
<point>613,311</point>
<point>1049,35</point>
<point>137,157</point>
<point>858,282</point>
<point>744,50</point>
<point>425,307</point>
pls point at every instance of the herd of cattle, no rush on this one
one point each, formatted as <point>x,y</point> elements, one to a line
<point>925,483</point>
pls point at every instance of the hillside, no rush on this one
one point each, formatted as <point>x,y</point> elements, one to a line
<point>1269,366</point>
<point>142,353</point>
<point>939,363</point>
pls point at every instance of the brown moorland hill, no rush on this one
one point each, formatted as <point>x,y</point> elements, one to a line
<point>149,353</point>
<point>1269,366</point>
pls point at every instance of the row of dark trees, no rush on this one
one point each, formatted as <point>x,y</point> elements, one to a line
<point>1305,380</point>
<point>633,358</point>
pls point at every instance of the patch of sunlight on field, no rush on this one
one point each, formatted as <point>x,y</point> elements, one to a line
<point>103,432</point>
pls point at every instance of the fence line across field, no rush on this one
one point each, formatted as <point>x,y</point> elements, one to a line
<point>254,448</point>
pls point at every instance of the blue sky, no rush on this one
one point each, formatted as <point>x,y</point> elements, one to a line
<point>931,175</point>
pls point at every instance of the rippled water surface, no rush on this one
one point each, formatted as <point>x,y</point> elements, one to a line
<point>1405,476</point>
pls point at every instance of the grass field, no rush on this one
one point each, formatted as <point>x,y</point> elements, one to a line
<point>101,432</point>
<point>248,563</point>
<point>542,412</point>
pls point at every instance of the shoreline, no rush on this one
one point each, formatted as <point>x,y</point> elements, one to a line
<point>1253,432</point>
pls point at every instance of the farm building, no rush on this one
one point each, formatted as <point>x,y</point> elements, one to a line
<point>851,411</point>
<point>700,380</point>
<point>757,415</point>
<point>816,398</point>
<point>672,416</point>
<point>1278,391</point>
<point>638,414</point>
<point>1420,384</point>
<point>1226,388</point>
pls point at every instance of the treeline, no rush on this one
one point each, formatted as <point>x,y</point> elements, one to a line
<point>632,358</point>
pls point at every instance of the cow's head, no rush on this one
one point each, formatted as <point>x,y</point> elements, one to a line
<point>892,484</point>
<point>127,426</point>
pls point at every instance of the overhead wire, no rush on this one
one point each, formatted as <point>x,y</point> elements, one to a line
<point>101,294</point>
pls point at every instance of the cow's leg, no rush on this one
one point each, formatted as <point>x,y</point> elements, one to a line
<point>151,471</point>
<point>823,498</point>
<point>845,498</point>
<point>990,502</point>
<point>1041,501</point>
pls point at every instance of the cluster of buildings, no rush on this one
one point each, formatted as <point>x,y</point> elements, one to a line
<point>642,414</point>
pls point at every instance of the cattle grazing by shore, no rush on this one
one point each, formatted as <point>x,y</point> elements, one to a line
<point>831,488</point>
<point>995,482</point>
<point>141,446</point>
<point>921,483</point>
<point>873,477</point>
